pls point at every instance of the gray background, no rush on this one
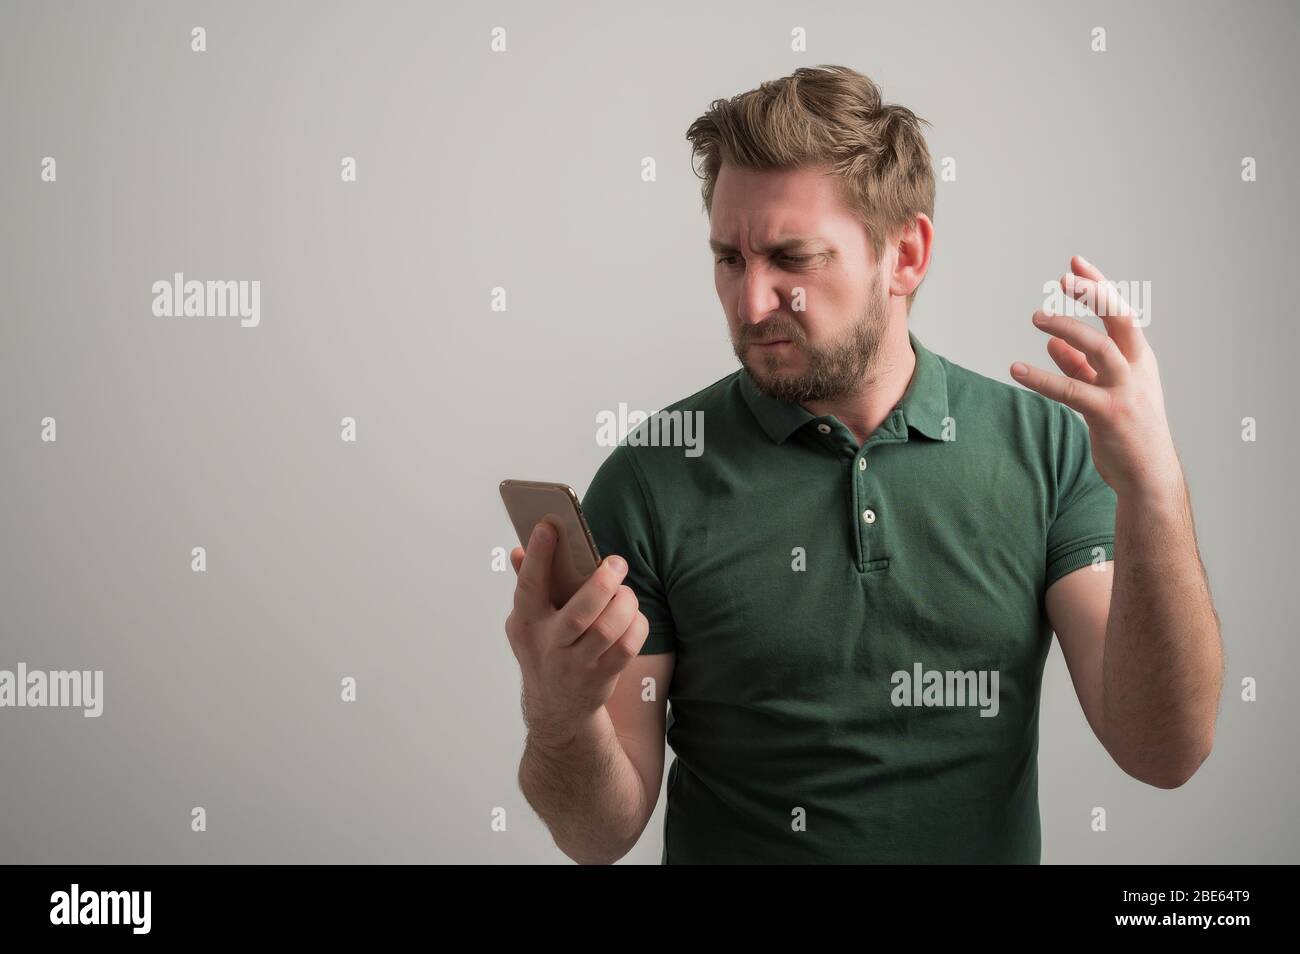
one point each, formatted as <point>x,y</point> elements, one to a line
<point>522,170</point>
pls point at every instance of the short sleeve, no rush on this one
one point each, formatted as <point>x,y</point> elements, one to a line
<point>622,522</point>
<point>1083,523</point>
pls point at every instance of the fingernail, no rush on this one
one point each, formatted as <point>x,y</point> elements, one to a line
<point>1018,369</point>
<point>541,533</point>
<point>617,565</point>
<point>1040,318</point>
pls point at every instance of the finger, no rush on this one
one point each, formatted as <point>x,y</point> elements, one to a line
<point>1087,284</point>
<point>591,599</point>
<point>533,588</point>
<point>1101,349</point>
<point>1085,398</point>
<point>627,648</point>
<point>1085,269</point>
<point>517,558</point>
<point>609,626</point>
<point>1071,360</point>
<point>1102,298</point>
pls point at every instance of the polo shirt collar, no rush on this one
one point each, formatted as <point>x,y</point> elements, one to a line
<point>924,405</point>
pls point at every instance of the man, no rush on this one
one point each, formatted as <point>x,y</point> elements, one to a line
<point>849,596</point>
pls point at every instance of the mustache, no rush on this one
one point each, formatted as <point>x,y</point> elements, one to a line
<point>770,331</point>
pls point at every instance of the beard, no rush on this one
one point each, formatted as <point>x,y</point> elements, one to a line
<point>833,371</point>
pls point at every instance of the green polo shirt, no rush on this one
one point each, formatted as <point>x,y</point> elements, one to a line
<point>836,609</point>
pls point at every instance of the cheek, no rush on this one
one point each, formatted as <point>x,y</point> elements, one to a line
<point>820,293</point>
<point>727,297</point>
<point>723,287</point>
<point>832,306</point>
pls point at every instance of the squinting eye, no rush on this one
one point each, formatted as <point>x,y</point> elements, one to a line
<point>796,259</point>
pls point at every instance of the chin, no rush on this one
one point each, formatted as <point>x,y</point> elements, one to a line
<point>775,365</point>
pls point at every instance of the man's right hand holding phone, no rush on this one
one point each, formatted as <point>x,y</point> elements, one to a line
<point>570,656</point>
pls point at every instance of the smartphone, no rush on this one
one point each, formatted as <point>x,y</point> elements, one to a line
<point>576,558</point>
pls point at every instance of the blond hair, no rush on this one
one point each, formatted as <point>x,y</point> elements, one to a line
<point>824,115</point>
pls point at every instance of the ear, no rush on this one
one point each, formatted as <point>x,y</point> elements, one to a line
<point>913,247</point>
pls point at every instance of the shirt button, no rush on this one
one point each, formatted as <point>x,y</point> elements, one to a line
<point>869,516</point>
<point>862,463</point>
<point>824,428</point>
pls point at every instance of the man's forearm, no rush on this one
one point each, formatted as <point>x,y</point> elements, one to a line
<point>1162,669</point>
<point>586,789</point>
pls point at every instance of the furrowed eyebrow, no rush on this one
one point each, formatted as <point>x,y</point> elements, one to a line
<point>788,245</point>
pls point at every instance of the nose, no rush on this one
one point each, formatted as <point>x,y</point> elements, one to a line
<point>759,295</point>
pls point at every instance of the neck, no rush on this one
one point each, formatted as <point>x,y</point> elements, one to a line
<point>883,386</point>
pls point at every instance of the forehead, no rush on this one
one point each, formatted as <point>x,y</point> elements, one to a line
<point>761,205</point>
